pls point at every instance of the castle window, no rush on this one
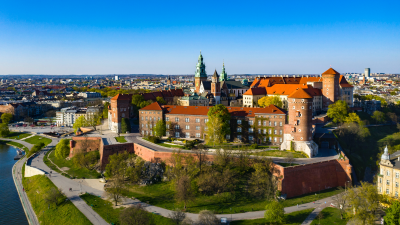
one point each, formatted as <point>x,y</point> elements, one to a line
<point>176,126</point>
<point>280,124</point>
<point>302,107</point>
<point>265,131</point>
<point>387,190</point>
<point>166,118</point>
<point>250,138</point>
<point>274,139</point>
<point>265,139</point>
<point>187,135</point>
<point>197,135</point>
<point>380,180</point>
<point>280,139</point>
<point>397,184</point>
<point>380,189</point>
<point>176,119</point>
<point>396,194</point>
<point>142,118</point>
<point>259,123</point>
<point>265,123</point>
<point>299,130</point>
<point>197,127</point>
<point>251,130</point>
<point>228,137</point>
<point>239,137</point>
<point>251,122</point>
<point>187,120</point>
<point>177,134</point>
<point>205,120</point>
<point>167,126</point>
<point>387,182</point>
<point>294,107</point>
<point>275,131</point>
<point>301,138</point>
<point>187,127</point>
<point>280,132</point>
<point>197,120</point>
<point>397,174</point>
<point>239,121</point>
<point>239,129</point>
<point>269,131</point>
<point>275,123</point>
<point>269,123</point>
<point>388,173</point>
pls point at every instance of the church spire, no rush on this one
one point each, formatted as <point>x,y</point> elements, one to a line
<point>200,67</point>
<point>223,76</point>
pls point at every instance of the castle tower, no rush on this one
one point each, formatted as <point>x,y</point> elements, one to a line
<point>223,76</point>
<point>216,88</point>
<point>330,87</point>
<point>298,133</point>
<point>200,74</point>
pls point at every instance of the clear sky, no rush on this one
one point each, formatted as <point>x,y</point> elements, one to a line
<point>165,37</point>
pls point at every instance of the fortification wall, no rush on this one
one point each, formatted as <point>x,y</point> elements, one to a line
<point>108,150</point>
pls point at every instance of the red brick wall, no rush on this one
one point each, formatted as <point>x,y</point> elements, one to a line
<point>304,179</point>
<point>304,106</point>
<point>108,150</point>
<point>75,144</point>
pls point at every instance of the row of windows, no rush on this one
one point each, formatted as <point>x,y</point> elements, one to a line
<point>150,118</point>
<point>387,191</point>
<point>151,112</point>
<point>388,173</point>
<point>187,120</point>
<point>388,182</point>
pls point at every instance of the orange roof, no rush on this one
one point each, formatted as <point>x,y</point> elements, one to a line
<point>343,82</point>
<point>304,80</point>
<point>256,91</point>
<point>300,93</point>
<point>331,71</point>
<point>122,97</point>
<point>152,106</point>
<point>234,111</point>
<point>284,89</point>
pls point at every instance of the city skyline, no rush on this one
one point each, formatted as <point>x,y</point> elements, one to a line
<point>164,38</point>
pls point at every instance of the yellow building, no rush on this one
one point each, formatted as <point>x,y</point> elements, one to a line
<point>389,174</point>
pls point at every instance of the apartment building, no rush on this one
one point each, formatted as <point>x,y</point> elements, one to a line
<point>389,174</point>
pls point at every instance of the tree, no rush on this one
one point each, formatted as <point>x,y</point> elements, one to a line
<point>177,216</point>
<point>105,110</point>
<point>379,117</point>
<point>184,191</point>
<point>137,99</point>
<point>393,214</point>
<point>125,125</point>
<point>364,200</point>
<point>93,120</point>
<point>207,217</point>
<point>135,215</point>
<point>352,117</point>
<point>218,125</point>
<point>115,191</point>
<point>289,159</point>
<point>392,117</point>
<point>53,196</point>
<point>159,129</point>
<point>201,155</point>
<point>338,111</point>
<point>262,182</point>
<point>393,93</point>
<point>270,100</point>
<point>341,201</point>
<point>134,170</point>
<point>4,130</point>
<point>161,100</point>
<point>80,122</point>
<point>353,134</point>
<point>62,149</point>
<point>275,212</point>
<point>6,118</point>
<point>118,165</point>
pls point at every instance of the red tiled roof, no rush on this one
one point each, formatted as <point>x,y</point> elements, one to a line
<point>122,97</point>
<point>304,80</point>
<point>152,106</point>
<point>256,91</point>
<point>300,93</point>
<point>234,111</point>
<point>343,82</point>
<point>331,71</point>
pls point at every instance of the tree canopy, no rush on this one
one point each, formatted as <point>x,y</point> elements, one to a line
<point>62,149</point>
<point>80,122</point>
<point>218,125</point>
<point>275,212</point>
<point>393,214</point>
<point>338,111</point>
<point>159,129</point>
<point>6,118</point>
<point>270,100</point>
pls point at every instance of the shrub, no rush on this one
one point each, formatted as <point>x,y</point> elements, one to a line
<point>253,146</point>
<point>154,139</point>
<point>189,145</point>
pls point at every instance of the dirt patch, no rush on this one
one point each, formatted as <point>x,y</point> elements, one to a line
<point>65,169</point>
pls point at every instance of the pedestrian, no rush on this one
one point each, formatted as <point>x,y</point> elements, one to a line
<point>313,202</point>
<point>23,189</point>
<point>297,205</point>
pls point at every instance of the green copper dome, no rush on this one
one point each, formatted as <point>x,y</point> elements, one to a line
<point>223,76</point>
<point>200,67</point>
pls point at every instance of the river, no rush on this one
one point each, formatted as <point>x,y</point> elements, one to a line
<point>11,211</point>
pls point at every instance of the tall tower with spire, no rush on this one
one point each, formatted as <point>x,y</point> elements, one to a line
<point>216,88</point>
<point>200,74</point>
<point>223,76</point>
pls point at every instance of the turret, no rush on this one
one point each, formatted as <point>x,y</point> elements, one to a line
<point>216,87</point>
<point>224,76</point>
<point>200,74</point>
<point>330,87</point>
<point>300,115</point>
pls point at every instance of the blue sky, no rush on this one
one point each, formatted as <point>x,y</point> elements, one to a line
<point>165,37</point>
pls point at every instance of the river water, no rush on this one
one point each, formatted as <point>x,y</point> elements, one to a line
<point>11,211</point>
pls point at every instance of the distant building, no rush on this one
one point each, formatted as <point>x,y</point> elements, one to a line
<point>90,95</point>
<point>367,72</point>
<point>116,78</point>
<point>193,100</point>
<point>67,116</point>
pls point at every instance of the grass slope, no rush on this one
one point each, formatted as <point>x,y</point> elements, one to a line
<point>37,139</point>
<point>278,153</point>
<point>65,213</point>
<point>107,212</point>
<point>293,218</point>
<point>330,216</point>
<point>18,135</point>
<point>162,195</point>
<point>73,171</point>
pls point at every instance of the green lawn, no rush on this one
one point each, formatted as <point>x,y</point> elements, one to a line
<point>74,171</point>
<point>18,135</point>
<point>366,152</point>
<point>162,195</point>
<point>36,188</point>
<point>279,153</point>
<point>330,216</point>
<point>120,139</point>
<point>15,144</point>
<point>170,146</point>
<point>37,139</point>
<point>287,164</point>
<point>293,218</point>
<point>104,209</point>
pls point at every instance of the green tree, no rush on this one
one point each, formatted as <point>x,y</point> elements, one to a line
<point>135,215</point>
<point>93,120</point>
<point>275,212</point>
<point>80,122</point>
<point>270,100</point>
<point>393,93</point>
<point>6,118</point>
<point>379,117</point>
<point>161,100</point>
<point>218,125</point>
<point>125,125</point>
<point>137,99</point>
<point>352,117</point>
<point>364,200</point>
<point>393,214</point>
<point>115,190</point>
<point>262,184</point>
<point>184,191</point>
<point>118,165</point>
<point>4,130</point>
<point>62,149</point>
<point>105,110</point>
<point>338,111</point>
<point>159,129</point>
